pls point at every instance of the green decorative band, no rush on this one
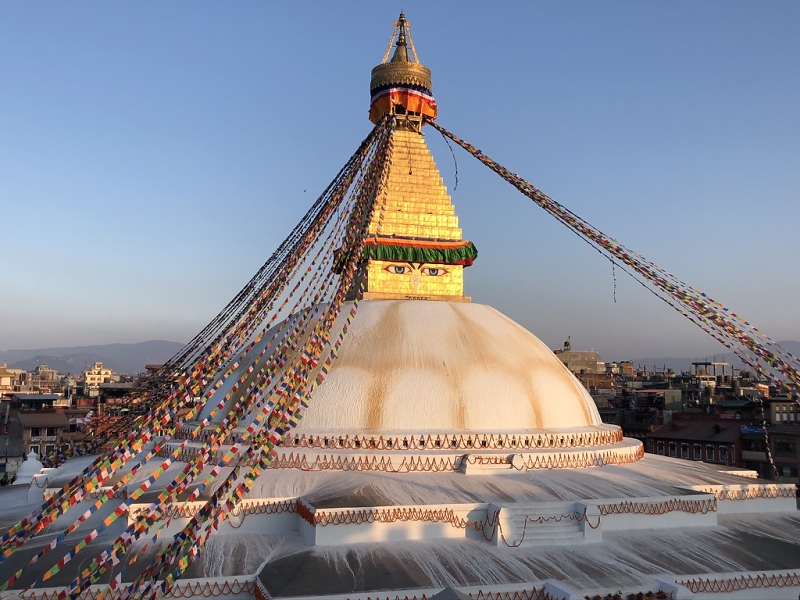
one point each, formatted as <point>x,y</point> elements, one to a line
<point>463,255</point>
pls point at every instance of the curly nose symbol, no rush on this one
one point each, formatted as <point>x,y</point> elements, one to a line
<point>415,281</point>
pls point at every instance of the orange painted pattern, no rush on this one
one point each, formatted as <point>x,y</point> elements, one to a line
<point>532,594</point>
<point>659,508</point>
<point>763,491</point>
<point>745,582</point>
<point>432,464</point>
<point>435,465</point>
<point>456,441</point>
<point>188,510</point>
<point>200,589</point>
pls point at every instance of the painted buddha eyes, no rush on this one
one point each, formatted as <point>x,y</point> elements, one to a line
<point>408,269</point>
<point>397,270</point>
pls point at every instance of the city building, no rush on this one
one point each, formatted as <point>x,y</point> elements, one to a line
<point>9,380</point>
<point>43,380</point>
<point>92,378</point>
<point>581,361</point>
<point>33,402</point>
<point>782,410</point>
<point>782,442</point>
<point>115,398</point>
<point>152,369</point>
<point>12,454</point>
<point>706,377</point>
<point>698,437</point>
<point>740,409</point>
<point>43,432</point>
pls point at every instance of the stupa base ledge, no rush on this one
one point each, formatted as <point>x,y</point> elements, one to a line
<point>265,516</point>
<point>400,461</point>
<point>537,590</point>
<point>337,526</point>
<point>392,296</point>
<point>652,512</point>
<point>241,587</point>
<point>404,461</point>
<point>756,497</point>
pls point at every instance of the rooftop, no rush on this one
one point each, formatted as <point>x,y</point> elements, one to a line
<point>705,430</point>
<point>44,419</point>
<point>35,397</point>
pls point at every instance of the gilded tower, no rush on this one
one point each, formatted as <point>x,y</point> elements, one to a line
<point>415,249</point>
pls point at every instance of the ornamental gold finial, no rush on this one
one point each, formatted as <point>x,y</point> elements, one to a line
<point>401,48</point>
<point>401,85</point>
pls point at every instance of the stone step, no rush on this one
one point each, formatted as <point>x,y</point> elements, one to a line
<point>540,508</point>
<point>539,534</point>
<point>550,524</point>
<point>521,526</point>
<point>546,540</point>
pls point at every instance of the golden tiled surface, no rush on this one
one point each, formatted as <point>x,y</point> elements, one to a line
<point>416,206</point>
<point>415,280</point>
<point>426,232</point>
<point>417,203</point>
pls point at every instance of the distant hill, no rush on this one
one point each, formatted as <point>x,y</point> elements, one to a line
<point>71,363</point>
<point>121,358</point>
<point>131,358</point>
<point>685,364</point>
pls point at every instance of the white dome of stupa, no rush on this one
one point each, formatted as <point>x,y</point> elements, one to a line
<point>417,366</point>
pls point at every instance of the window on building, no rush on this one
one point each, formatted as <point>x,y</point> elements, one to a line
<point>684,450</point>
<point>49,449</point>
<point>35,432</point>
<point>785,446</point>
<point>723,454</point>
<point>673,449</point>
<point>698,452</point>
<point>51,431</point>
<point>753,445</point>
<point>709,452</point>
<point>660,448</point>
<point>788,471</point>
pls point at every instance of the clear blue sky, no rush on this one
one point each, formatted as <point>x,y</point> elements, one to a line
<point>153,155</point>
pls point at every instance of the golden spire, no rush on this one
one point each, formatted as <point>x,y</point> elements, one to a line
<point>415,249</point>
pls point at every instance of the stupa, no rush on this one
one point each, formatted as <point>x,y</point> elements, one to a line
<point>448,447</point>
<point>423,369</point>
<point>421,360</point>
